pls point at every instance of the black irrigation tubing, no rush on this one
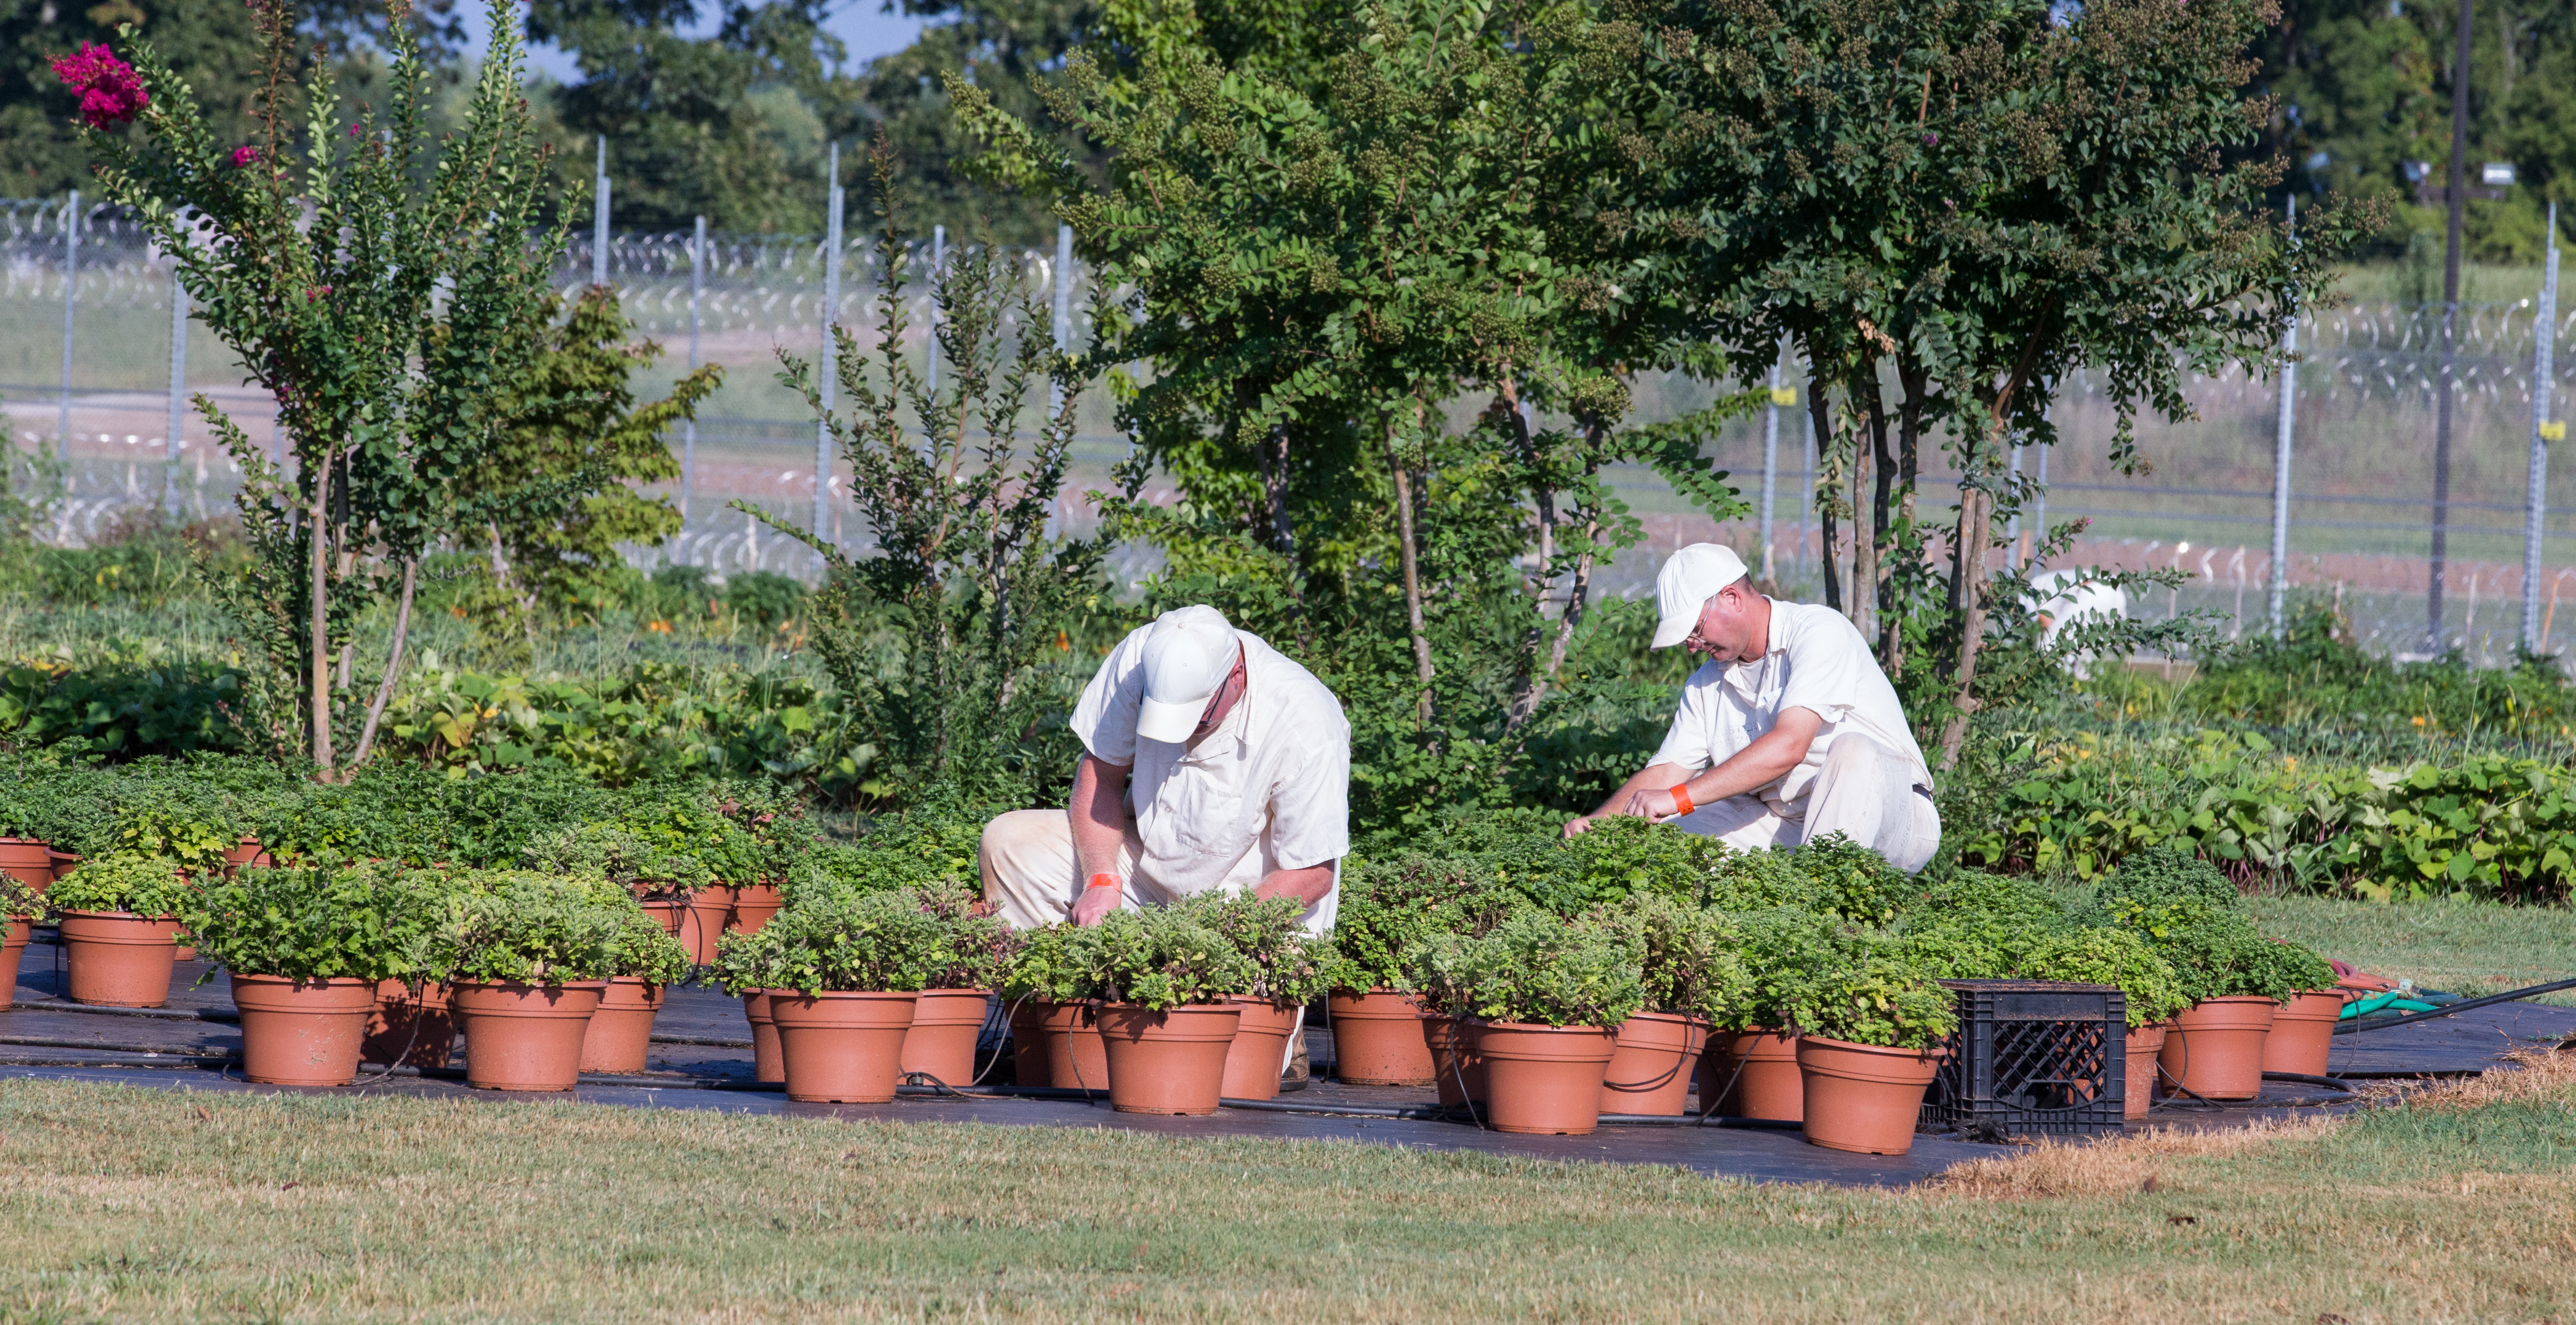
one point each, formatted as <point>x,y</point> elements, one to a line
<point>2360,1024</point>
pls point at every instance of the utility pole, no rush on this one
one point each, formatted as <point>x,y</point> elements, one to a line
<point>830,382</point>
<point>599,218</point>
<point>178,387</point>
<point>689,427</point>
<point>2544,331</point>
<point>71,299</point>
<point>2459,193</point>
<point>1770,463</point>
<point>2281,455</point>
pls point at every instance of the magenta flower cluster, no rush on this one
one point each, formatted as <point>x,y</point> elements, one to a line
<point>110,92</point>
<point>245,156</point>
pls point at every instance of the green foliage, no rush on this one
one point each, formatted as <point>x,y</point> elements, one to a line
<point>128,881</point>
<point>977,947</point>
<point>310,923</point>
<point>2096,955</point>
<point>1782,945</point>
<point>2292,967</point>
<point>19,901</point>
<point>1874,998</point>
<point>1976,926</point>
<point>2215,952</point>
<point>1534,968</point>
<point>1388,907</point>
<point>67,804</point>
<point>1290,966</point>
<point>646,869</point>
<point>685,820</point>
<point>1853,881</point>
<point>1692,958</point>
<point>853,943</point>
<point>122,704</point>
<point>934,847</point>
<point>1162,957</point>
<point>1054,964</point>
<point>2163,874</point>
<point>528,928</point>
<point>642,949</point>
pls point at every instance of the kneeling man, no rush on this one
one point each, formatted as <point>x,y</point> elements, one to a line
<point>1788,733</point>
<point>1211,762</point>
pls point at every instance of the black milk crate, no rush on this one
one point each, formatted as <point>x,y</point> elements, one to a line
<point>2031,1058</point>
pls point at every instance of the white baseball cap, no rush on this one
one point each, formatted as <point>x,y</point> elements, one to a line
<point>1188,655</point>
<point>1688,580</point>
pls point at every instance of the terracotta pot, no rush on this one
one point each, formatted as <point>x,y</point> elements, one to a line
<point>753,905</point>
<point>1377,1039</point>
<point>766,1065</point>
<point>1768,1086</point>
<point>248,855</point>
<point>2143,1042</point>
<point>1863,1097</point>
<point>118,959</point>
<point>1458,1070</point>
<point>1058,1044</point>
<point>842,1046</point>
<point>2216,1047</point>
<point>12,948</point>
<point>1544,1079</point>
<point>620,1033</point>
<point>64,863</point>
<point>697,922</point>
<point>1172,1061</point>
<point>1651,1072</point>
<point>182,950</point>
<point>415,1030</point>
<point>1260,1050</point>
<point>524,1037</point>
<point>302,1032</point>
<point>2302,1035</point>
<point>28,861</point>
<point>946,1023</point>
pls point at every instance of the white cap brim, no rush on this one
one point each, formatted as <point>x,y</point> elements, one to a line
<point>1673,630</point>
<point>1170,723</point>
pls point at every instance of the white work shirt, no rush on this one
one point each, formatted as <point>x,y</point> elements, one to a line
<point>1268,790</point>
<point>1816,661</point>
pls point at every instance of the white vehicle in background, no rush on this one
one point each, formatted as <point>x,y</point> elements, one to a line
<point>2072,598</point>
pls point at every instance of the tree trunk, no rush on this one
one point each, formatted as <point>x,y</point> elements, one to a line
<point>1823,420</point>
<point>319,607</point>
<point>1891,626</point>
<point>1412,579</point>
<point>1530,684</point>
<point>1861,604</point>
<point>1909,440</point>
<point>393,665</point>
<point>1968,589</point>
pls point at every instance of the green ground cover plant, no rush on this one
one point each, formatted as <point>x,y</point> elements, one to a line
<point>313,923</point>
<point>1534,967</point>
<point>133,883</point>
<point>521,927</point>
<point>851,942</point>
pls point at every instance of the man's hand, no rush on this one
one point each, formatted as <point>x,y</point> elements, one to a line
<point>1095,904</point>
<point>1652,806</point>
<point>1575,826</point>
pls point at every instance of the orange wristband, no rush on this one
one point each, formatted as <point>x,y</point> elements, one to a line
<point>1681,799</point>
<point>1104,879</point>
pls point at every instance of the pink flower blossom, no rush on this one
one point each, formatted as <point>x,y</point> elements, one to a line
<point>245,156</point>
<point>110,92</point>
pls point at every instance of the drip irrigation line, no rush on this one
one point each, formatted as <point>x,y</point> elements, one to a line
<point>2335,1083</point>
<point>2360,1024</point>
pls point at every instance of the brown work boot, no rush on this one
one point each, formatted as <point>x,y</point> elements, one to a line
<point>1295,1077</point>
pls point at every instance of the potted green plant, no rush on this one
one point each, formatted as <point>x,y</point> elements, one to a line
<point>306,948</point>
<point>120,926</point>
<point>1870,1027</point>
<point>526,957</point>
<point>976,948</point>
<point>644,961</point>
<point>675,887</point>
<point>1165,983</point>
<point>2097,955</point>
<point>688,825</point>
<point>1751,1070</point>
<point>1055,1037</point>
<point>1386,908</point>
<point>1545,997</point>
<point>1693,975</point>
<point>2302,1038</point>
<point>1291,967</point>
<point>775,822</point>
<point>745,965</point>
<point>843,977</point>
<point>21,905</point>
<point>50,813</point>
<point>2235,985</point>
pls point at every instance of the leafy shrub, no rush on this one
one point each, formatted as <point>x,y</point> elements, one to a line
<point>1874,998</point>
<point>1054,964</point>
<point>856,943</point>
<point>309,923</point>
<point>1388,907</point>
<point>2095,955</point>
<point>1535,968</point>
<point>640,949</point>
<point>2215,953</point>
<point>2294,968</point>
<point>18,901</point>
<point>1290,966</point>
<point>49,799</point>
<point>977,947</point>
<point>2162,874</point>
<point>528,928</point>
<point>1977,926</point>
<point>1163,957</point>
<point>625,859</point>
<point>128,881</point>
<point>1852,881</point>
<point>1782,946</point>
<point>1692,962</point>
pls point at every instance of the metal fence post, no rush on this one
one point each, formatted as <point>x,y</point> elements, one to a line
<point>599,218</point>
<point>1770,462</point>
<point>831,304</point>
<point>2281,440</point>
<point>71,298</point>
<point>178,386</point>
<point>2544,330</point>
<point>1063,306</point>
<point>689,427</point>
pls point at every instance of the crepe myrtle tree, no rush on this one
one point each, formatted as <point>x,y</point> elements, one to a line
<point>384,286</point>
<point>1969,200</point>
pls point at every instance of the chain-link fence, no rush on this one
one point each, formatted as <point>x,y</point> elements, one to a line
<point>89,370</point>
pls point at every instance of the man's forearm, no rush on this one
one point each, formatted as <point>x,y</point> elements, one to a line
<point>1653,777</point>
<point>1308,885</point>
<point>1098,810</point>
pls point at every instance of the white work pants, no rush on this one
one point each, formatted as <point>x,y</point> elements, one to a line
<point>1866,792</point>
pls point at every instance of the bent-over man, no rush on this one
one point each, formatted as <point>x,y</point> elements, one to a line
<point>1788,733</point>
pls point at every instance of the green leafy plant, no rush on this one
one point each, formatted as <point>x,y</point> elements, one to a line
<point>1535,968</point>
<point>1162,957</point>
<point>1782,947</point>
<point>316,923</point>
<point>518,926</point>
<point>128,881</point>
<point>864,942</point>
<point>1054,964</point>
<point>2291,968</point>
<point>1853,881</point>
<point>18,901</point>
<point>977,947</point>
<point>1693,958</point>
<point>1290,965</point>
<point>2215,952</point>
<point>1388,907</point>
<point>1875,998</point>
<point>2099,956</point>
<point>646,869</point>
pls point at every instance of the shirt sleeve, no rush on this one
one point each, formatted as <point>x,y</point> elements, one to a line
<point>1310,808</point>
<point>1105,719</point>
<point>1828,664</point>
<point>1689,743</point>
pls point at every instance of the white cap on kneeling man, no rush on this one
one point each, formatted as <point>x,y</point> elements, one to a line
<point>1189,655</point>
<point>1688,580</point>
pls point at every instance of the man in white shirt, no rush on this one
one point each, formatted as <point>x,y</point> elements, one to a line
<point>1788,733</point>
<point>1211,762</point>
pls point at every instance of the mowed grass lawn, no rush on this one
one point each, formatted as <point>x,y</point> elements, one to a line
<point>131,1204</point>
<point>2462,947</point>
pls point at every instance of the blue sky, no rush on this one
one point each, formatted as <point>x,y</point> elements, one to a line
<point>869,33</point>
